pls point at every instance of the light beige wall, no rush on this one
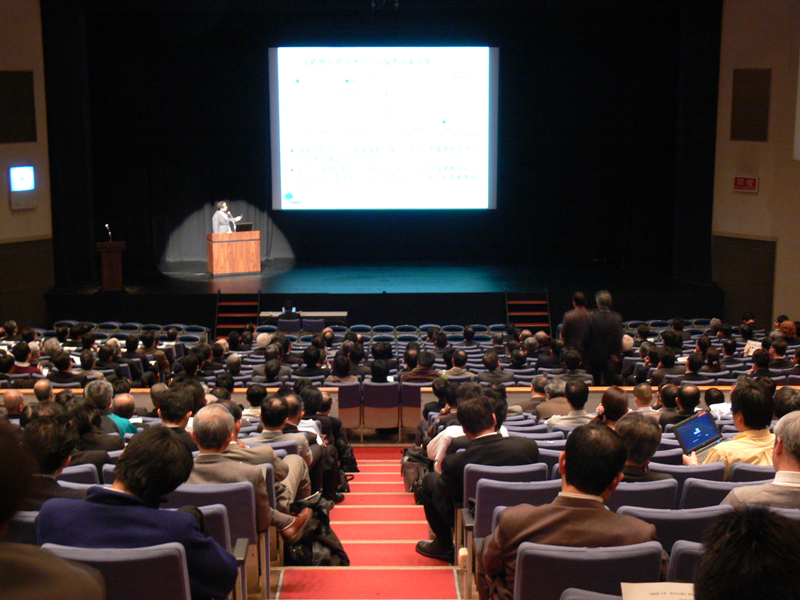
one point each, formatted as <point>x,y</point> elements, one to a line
<point>762,34</point>
<point>21,50</point>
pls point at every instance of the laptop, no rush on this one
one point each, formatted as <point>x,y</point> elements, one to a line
<point>698,434</point>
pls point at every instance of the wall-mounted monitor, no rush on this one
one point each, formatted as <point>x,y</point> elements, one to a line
<point>22,179</point>
<point>22,186</point>
<point>389,128</point>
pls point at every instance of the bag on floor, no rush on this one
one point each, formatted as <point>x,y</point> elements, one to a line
<point>414,465</point>
<point>344,482</point>
<point>347,460</point>
<point>319,546</point>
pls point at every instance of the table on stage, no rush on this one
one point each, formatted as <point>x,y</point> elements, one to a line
<point>333,315</point>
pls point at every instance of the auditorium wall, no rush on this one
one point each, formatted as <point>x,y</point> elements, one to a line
<point>25,235</point>
<point>762,35</point>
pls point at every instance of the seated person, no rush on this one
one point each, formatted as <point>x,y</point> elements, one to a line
<point>571,359</point>
<point>493,372</point>
<point>126,515</point>
<point>577,394</point>
<point>784,490</point>
<point>22,360</point>
<point>214,429</point>
<point>341,371</point>
<point>175,410</point>
<point>50,443</point>
<point>749,555</point>
<point>25,570</point>
<point>312,368</point>
<point>751,407</point>
<point>86,421</point>
<point>63,363</point>
<point>641,436</point>
<point>591,468</point>
<point>442,492</point>
<point>379,371</point>
<point>123,408</point>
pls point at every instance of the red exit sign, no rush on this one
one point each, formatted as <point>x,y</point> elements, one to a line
<point>745,184</point>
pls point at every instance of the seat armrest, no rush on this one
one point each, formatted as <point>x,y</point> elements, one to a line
<point>240,550</point>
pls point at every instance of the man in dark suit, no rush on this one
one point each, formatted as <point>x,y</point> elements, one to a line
<point>575,327</point>
<point>441,493</point>
<point>641,436</point>
<point>63,362</point>
<point>591,468</point>
<point>50,443</point>
<point>604,341</point>
<point>760,364</point>
<point>688,399</point>
<point>666,366</point>
<point>571,359</point>
<point>493,372</point>
<point>311,358</point>
<point>777,353</point>
<point>694,363</point>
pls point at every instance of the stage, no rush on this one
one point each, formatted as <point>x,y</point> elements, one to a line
<point>399,293</point>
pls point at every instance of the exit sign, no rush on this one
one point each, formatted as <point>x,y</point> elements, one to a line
<point>745,184</point>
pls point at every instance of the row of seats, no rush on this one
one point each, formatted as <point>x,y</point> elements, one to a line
<point>680,524</point>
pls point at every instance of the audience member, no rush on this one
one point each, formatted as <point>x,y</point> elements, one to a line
<point>750,554</point>
<point>123,408</point>
<point>26,571</point>
<point>175,410</point>
<point>556,403</point>
<point>643,400</point>
<point>604,340</point>
<point>591,468</point>
<point>752,415</point>
<point>613,406</point>
<point>423,371</point>
<point>213,431</point>
<point>641,437</point>
<point>486,446</point>
<point>50,442</point>
<point>575,325</point>
<point>126,515</point>
<point>784,490</point>
<point>577,394</point>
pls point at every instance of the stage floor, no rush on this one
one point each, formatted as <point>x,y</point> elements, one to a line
<point>395,293</point>
<point>290,277</point>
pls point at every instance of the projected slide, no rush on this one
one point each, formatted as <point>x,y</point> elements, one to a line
<point>383,128</point>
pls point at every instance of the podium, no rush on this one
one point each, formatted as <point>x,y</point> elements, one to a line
<point>111,265</point>
<point>232,253</point>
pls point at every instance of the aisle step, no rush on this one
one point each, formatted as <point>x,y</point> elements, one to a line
<point>363,583</point>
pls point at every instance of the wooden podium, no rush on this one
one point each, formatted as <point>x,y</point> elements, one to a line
<point>111,265</point>
<point>231,253</point>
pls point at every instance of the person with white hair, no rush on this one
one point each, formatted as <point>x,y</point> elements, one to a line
<point>784,490</point>
<point>213,430</point>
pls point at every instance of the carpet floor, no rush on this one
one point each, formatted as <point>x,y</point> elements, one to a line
<point>379,526</point>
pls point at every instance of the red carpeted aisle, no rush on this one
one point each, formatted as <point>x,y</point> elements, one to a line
<point>379,525</point>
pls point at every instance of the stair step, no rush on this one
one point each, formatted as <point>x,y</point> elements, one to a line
<point>537,313</point>
<point>240,314</point>
<point>527,301</point>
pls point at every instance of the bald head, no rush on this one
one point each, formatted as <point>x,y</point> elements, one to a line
<point>123,405</point>
<point>13,401</point>
<point>43,390</point>
<point>212,428</point>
